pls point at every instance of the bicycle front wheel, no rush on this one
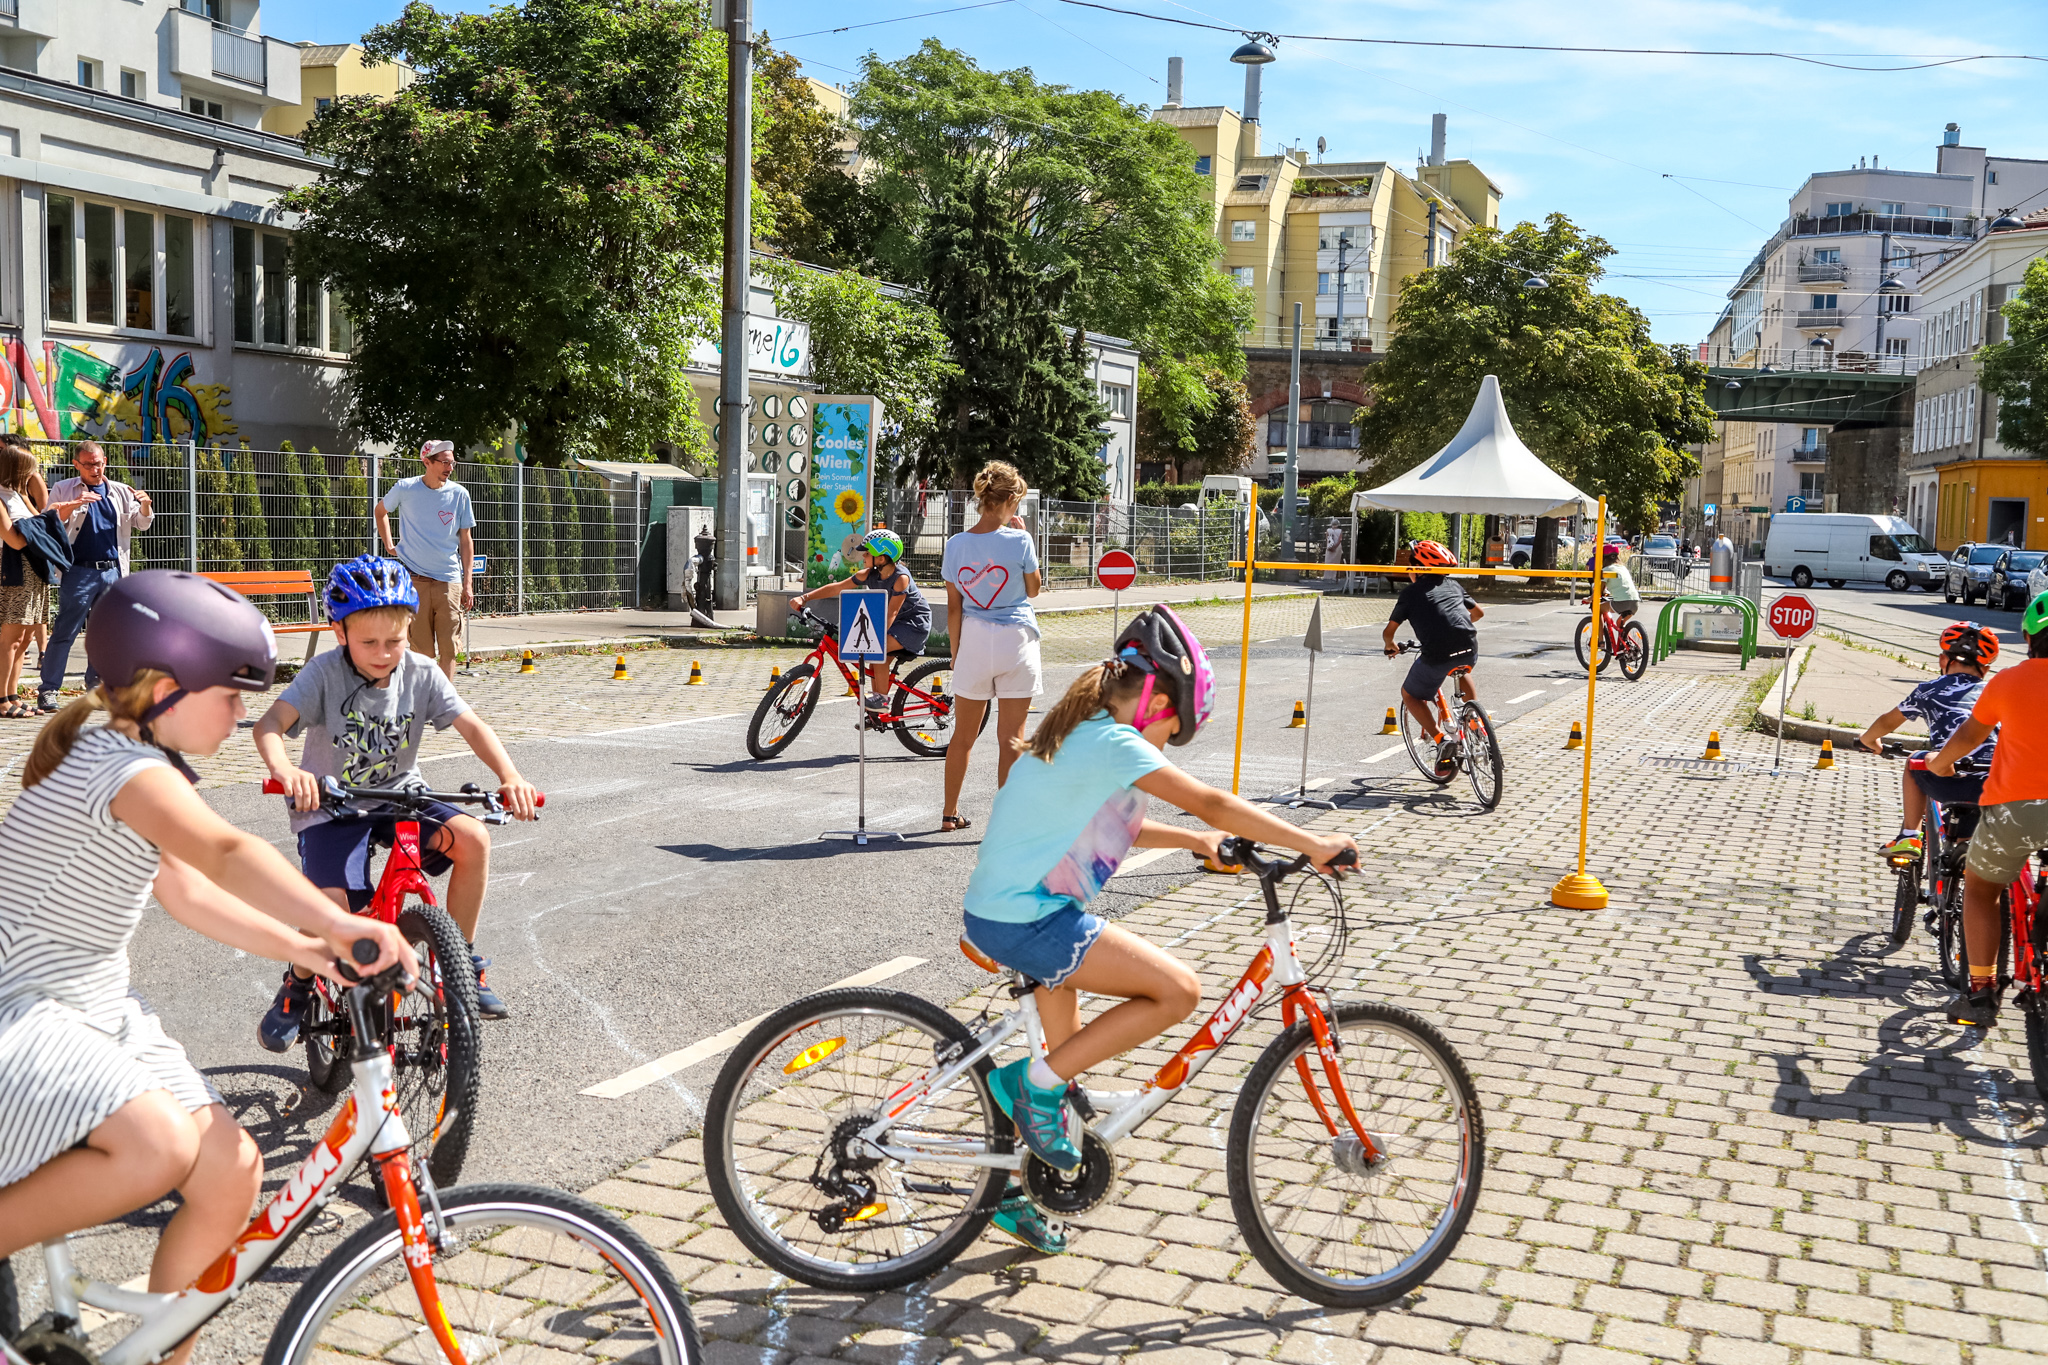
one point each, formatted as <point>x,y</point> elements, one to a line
<point>533,1273</point>
<point>790,1172</point>
<point>1421,752</point>
<point>1580,639</point>
<point>1635,651</point>
<point>1326,1221</point>
<point>1483,761</point>
<point>926,724</point>
<point>435,1050</point>
<point>783,712</point>
<point>327,1043</point>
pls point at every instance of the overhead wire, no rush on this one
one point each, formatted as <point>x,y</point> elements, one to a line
<point>899,19</point>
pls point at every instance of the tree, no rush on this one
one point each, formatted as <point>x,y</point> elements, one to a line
<point>1221,440</point>
<point>2015,370</point>
<point>351,531</point>
<point>794,153</point>
<point>252,527</point>
<point>1585,386</point>
<point>530,231</point>
<point>1022,392</point>
<point>320,513</point>
<point>219,550</point>
<point>1085,181</point>
<point>299,545</point>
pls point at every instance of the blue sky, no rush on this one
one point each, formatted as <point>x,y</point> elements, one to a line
<point>1636,148</point>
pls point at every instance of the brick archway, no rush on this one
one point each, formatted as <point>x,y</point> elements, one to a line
<point>1341,391</point>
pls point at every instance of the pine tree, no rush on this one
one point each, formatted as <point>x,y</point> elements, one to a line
<point>486,484</point>
<point>252,527</point>
<point>219,550</point>
<point>350,531</point>
<point>319,511</point>
<point>1022,393</point>
<point>298,546</point>
<point>543,588</point>
<point>570,534</point>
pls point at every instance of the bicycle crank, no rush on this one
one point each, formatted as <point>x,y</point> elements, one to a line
<point>1063,1194</point>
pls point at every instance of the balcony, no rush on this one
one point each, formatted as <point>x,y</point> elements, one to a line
<point>1803,453</point>
<point>1817,273</point>
<point>1818,319</point>
<point>221,61</point>
<point>1906,224</point>
<point>37,18</point>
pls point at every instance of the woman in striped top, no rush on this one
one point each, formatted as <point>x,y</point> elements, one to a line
<point>101,1113</point>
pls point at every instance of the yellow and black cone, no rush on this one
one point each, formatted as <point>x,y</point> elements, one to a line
<point>526,661</point>
<point>1577,739</point>
<point>852,690</point>
<point>696,675</point>
<point>1389,728</point>
<point>1713,745</point>
<point>1300,721</point>
<point>619,673</point>
<point>1827,754</point>
<point>774,676</point>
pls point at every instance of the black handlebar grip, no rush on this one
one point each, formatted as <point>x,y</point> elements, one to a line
<point>1348,858</point>
<point>364,951</point>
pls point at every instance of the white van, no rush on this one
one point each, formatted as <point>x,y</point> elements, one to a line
<point>1845,547</point>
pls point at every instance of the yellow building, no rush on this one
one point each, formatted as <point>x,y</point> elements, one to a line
<point>328,72</point>
<point>1986,499</point>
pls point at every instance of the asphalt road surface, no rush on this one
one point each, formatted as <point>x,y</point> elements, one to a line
<point>675,888</point>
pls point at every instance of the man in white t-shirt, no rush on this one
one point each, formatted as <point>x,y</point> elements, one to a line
<point>434,543</point>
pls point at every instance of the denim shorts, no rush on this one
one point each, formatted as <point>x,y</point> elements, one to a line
<point>336,853</point>
<point>1048,950</point>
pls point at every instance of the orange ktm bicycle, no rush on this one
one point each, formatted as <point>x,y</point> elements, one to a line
<point>920,710</point>
<point>852,1143</point>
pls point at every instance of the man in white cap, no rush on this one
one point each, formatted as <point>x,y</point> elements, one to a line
<point>434,543</point>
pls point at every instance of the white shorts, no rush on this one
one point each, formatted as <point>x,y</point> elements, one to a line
<point>992,661</point>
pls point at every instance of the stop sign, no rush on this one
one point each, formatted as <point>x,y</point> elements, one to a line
<point>1116,570</point>
<point>1793,616</point>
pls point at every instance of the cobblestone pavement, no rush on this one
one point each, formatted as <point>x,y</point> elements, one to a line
<point>1725,1121</point>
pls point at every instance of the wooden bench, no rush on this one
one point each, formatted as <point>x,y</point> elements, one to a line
<point>282,583</point>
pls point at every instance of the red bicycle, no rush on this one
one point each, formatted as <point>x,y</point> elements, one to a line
<point>1630,642</point>
<point>920,710</point>
<point>432,1027</point>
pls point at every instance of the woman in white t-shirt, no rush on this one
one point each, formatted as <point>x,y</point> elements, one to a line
<point>991,573</point>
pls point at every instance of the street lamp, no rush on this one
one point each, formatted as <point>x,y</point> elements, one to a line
<point>1255,52</point>
<point>1535,282</point>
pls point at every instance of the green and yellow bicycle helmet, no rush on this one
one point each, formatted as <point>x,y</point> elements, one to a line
<point>2036,619</point>
<point>883,541</point>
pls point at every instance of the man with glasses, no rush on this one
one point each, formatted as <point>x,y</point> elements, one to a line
<point>99,516</point>
<point>435,545</point>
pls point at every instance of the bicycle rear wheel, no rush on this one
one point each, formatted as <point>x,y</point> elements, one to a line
<point>789,1171</point>
<point>1421,752</point>
<point>434,1043</point>
<point>533,1274</point>
<point>1635,651</point>
<point>783,712</point>
<point>1948,929</point>
<point>1483,761</point>
<point>2035,1009</point>
<point>1905,901</point>
<point>1320,1220</point>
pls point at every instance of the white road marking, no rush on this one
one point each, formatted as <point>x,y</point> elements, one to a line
<point>1386,753</point>
<point>1666,702</point>
<point>1524,697</point>
<point>649,1073</point>
<point>664,725</point>
<point>1145,858</point>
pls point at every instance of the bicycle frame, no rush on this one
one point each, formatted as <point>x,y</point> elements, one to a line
<point>828,648</point>
<point>2024,902</point>
<point>167,1319</point>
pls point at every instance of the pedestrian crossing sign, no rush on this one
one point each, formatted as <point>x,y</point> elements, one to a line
<point>863,617</point>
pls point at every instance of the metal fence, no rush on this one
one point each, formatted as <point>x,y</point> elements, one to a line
<point>553,539</point>
<point>1169,543</point>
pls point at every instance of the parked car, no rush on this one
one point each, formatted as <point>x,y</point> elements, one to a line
<point>2008,588</point>
<point>1660,551</point>
<point>1525,546</point>
<point>1845,547</point>
<point>1969,571</point>
<point>2037,581</point>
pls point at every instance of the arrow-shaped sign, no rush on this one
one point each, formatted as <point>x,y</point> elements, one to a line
<point>1312,640</point>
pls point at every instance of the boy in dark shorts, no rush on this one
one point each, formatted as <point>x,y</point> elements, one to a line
<point>363,708</point>
<point>1440,612</point>
<point>1942,704</point>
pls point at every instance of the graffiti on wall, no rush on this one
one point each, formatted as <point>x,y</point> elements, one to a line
<point>69,392</point>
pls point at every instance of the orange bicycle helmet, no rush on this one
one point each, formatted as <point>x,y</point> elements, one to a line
<point>1429,554</point>
<point>1971,643</point>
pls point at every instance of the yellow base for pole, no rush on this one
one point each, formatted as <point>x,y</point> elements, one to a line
<point>619,673</point>
<point>1300,721</point>
<point>1576,738</point>
<point>526,661</point>
<point>696,675</point>
<point>1579,891</point>
<point>1389,728</point>
<point>1827,754</point>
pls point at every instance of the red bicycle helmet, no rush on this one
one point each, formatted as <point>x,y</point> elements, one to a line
<point>1971,643</point>
<point>1429,554</point>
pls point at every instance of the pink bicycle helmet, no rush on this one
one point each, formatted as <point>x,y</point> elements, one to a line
<point>1159,642</point>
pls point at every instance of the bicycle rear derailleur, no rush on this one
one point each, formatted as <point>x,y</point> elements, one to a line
<point>848,1182</point>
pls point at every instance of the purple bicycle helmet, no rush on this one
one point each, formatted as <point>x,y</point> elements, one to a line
<point>1159,642</point>
<point>201,633</point>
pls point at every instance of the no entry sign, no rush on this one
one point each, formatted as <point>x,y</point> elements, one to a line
<point>1116,570</point>
<point>1793,616</point>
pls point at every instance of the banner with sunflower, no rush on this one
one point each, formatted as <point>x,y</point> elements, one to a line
<point>842,463</point>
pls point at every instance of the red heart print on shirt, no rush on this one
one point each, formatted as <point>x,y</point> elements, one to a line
<point>991,578</point>
<point>447,518</point>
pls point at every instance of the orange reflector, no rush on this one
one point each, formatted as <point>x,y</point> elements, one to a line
<point>812,1055</point>
<point>870,1211</point>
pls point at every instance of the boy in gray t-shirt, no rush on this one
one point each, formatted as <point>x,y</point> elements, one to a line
<point>363,708</point>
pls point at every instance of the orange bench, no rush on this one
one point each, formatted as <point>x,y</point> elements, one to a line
<point>282,583</point>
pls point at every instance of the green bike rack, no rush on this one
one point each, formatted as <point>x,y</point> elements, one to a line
<point>1667,623</point>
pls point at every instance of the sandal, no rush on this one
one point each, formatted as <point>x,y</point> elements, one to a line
<point>949,823</point>
<point>14,708</point>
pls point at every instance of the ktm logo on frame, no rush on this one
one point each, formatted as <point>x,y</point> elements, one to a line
<point>1227,1017</point>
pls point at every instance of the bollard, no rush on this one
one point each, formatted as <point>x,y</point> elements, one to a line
<point>1389,728</point>
<point>1577,737</point>
<point>619,673</point>
<point>1713,745</point>
<point>696,675</point>
<point>774,676</point>
<point>1827,754</point>
<point>526,661</point>
<point>1300,720</point>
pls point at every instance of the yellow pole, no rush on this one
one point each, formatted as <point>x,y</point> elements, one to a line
<point>1578,891</point>
<point>1244,652</point>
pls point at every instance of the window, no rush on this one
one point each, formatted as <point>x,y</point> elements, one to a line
<point>1244,229</point>
<point>275,308</point>
<point>1330,238</point>
<point>205,108</point>
<point>1251,182</point>
<point>99,263</point>
<point>321,104</point>
<point>1201,165</point>
<point>1115,397</point>
<point>1823,300</point>
<point>1894,303</point>
<point>1991,177</point>
<point>341,328</point>
<point>134,86</point>
<point>1937,210</point>
<point>179,319</point>
<point>1970,413</point>
<point>274,296</point>
<point>1830,255</point>
<point>138,299</point>
<point>1241,275</point>
<point>1892,208</point>
<point>62,259</point>
<point>1895,346</point>
<point>1883,547</point>
<point>133,273</point>
<point>89,74</point>
<point>1837,210</point>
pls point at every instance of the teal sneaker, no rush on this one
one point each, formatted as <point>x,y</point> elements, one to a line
<point>1041,1117</point>
<point>1004,1083</point>
<point>1019,1218</point>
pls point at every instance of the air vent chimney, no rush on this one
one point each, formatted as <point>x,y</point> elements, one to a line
<point>1952,136</point>
<point>1436,139</point>
<point>1173,82</point>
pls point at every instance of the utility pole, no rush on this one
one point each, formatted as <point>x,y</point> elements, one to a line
<point>1429,247</point>
<point>1884,265</point>
<point>1343,245</point>
<point>1291,480</point>
<point>732,383</point>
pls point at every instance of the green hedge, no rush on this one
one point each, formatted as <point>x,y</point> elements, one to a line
<point>1180,494</point>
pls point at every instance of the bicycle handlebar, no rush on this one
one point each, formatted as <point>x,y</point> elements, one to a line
<point>1965,767</point>
<point>337,797</point>
<point>1242,852</point>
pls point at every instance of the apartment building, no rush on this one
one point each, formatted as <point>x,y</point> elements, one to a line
<point>1961,483</point>
<point>146,284</point>
<point>328,72</point>
<point>1840,285</point>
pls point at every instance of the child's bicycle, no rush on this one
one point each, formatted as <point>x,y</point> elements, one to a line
<point>920,710</point>
<point>1627,641</point>
<point>1479,755</point>
<point>852,1142</point>
<point>471,1274</point>
<point>433,1025</point>
<point>1935,878</point>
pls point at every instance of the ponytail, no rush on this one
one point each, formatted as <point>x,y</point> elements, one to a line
<point>1097,689</point>
<point>60,732</point>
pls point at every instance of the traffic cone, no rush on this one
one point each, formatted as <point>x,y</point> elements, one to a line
<point>1300,721</point>
<point>1713,745</point>
<point>852,690</point>
<point>1827,754</point>
<point>696,675</point>
<point>1389,728</point>
<point>1577,739</point>
<point>526,661</point>
<point>774,676</point>
<point>619,673</point>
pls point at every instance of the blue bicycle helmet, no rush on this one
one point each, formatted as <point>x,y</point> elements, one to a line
<point>368,581</point>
